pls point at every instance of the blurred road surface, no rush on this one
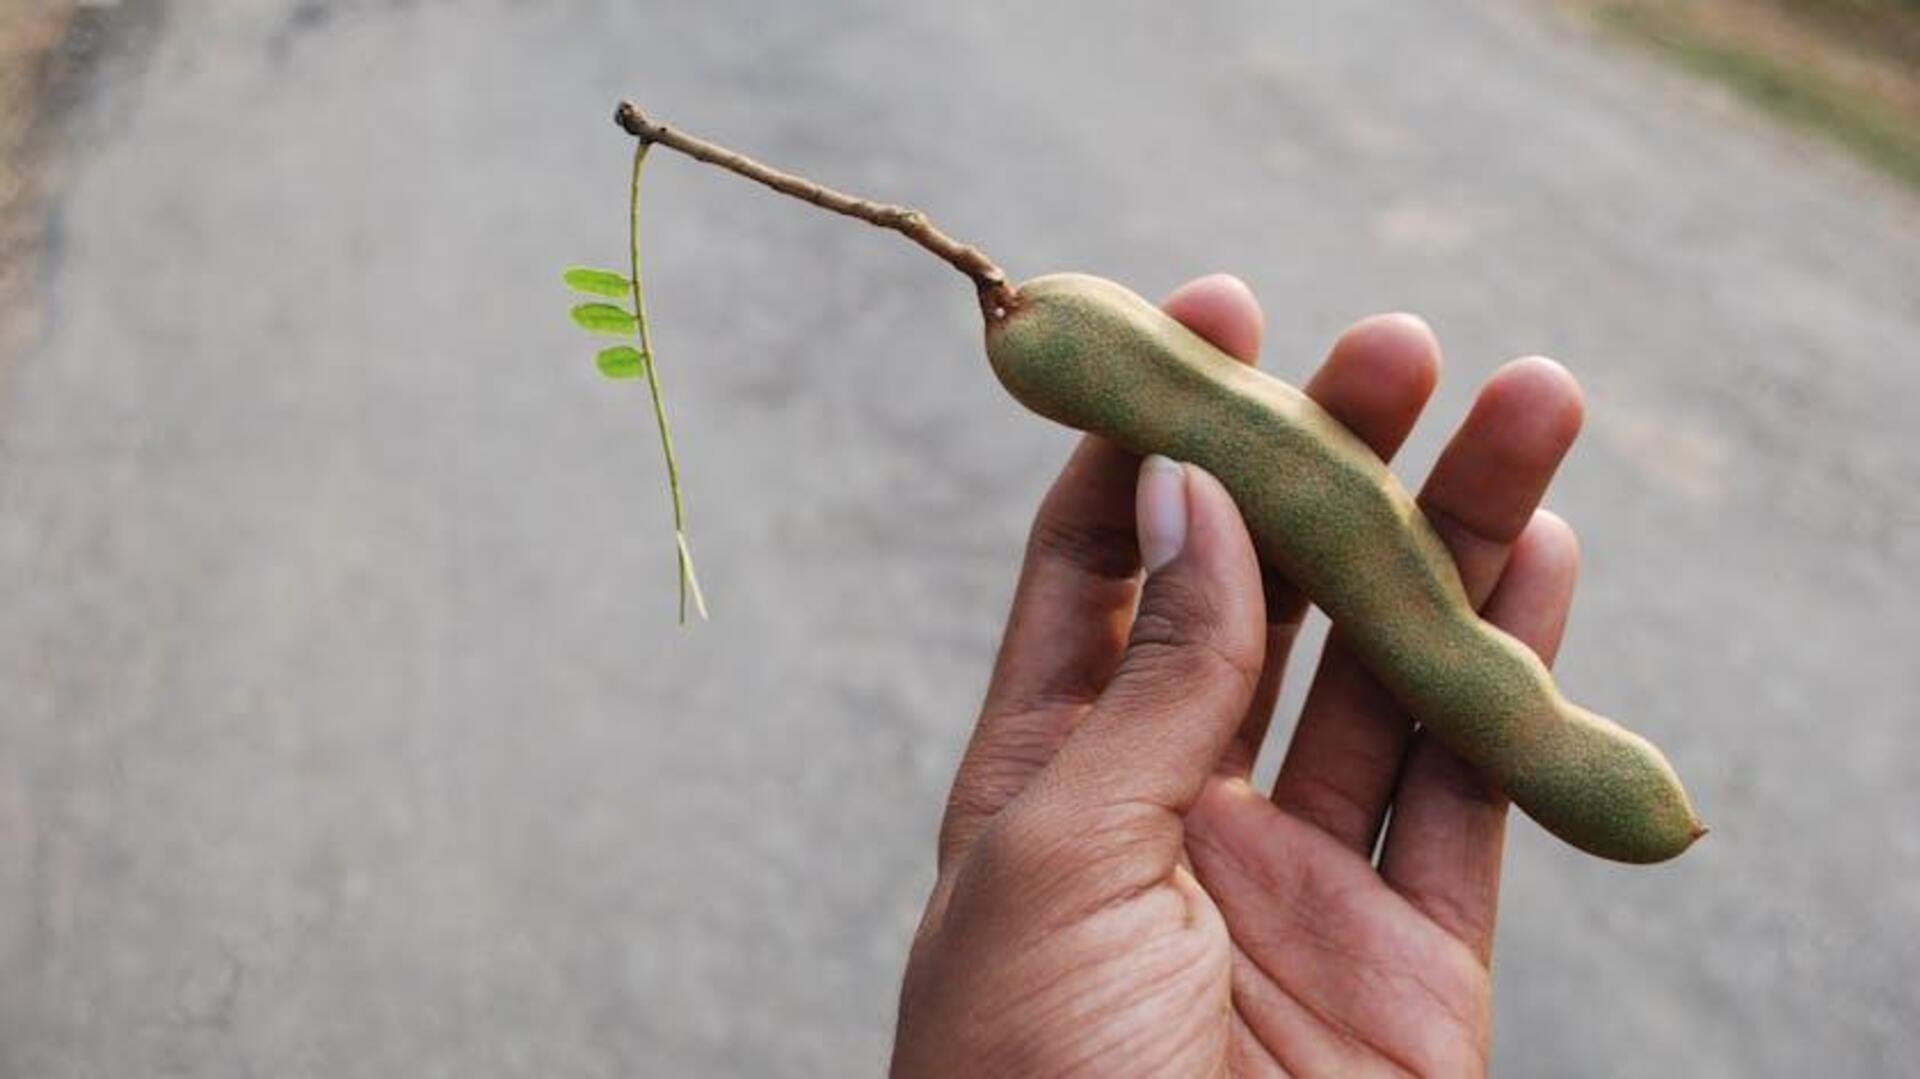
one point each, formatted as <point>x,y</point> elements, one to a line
<point>346,729</point>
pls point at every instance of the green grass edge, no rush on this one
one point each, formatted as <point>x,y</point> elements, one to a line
<point>1805,98</point>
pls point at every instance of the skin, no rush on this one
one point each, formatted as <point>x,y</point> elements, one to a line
<point>1325,512</point>
<point>1114,897</point>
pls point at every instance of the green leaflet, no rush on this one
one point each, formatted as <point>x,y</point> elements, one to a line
<point>621,362</point>
<point>598,282</point>
<point>604,318</point>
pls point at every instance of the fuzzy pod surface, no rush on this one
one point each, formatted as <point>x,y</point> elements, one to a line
<point>1326,513</point>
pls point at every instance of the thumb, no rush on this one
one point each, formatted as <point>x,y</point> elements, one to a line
<point>1191,664</point>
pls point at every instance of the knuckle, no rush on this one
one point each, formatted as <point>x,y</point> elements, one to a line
<point>1334,807</point>
<point>1053,865</point>
<point>1020,843</point>
<point>1009,750</point>
<point>1179,635</point>
<point>1097,550</point>
<point>1175,611</point>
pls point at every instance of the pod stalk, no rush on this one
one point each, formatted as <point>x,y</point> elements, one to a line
<point>997,296</point>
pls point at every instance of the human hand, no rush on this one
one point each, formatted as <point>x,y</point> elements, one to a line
<point>1114,897</point>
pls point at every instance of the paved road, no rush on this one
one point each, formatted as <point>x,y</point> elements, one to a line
<point>346,730</point>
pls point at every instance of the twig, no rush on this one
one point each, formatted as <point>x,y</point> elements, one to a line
<point>997,296</point>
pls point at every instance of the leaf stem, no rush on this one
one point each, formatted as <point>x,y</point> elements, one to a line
<point>689,584</point>
<point>997,296</point>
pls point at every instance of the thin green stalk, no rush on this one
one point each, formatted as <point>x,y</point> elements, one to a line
<point>689,584</point>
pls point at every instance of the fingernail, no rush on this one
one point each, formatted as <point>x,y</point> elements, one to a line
<point>1162,509</point>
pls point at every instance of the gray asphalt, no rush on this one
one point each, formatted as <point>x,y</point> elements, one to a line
<point>347,731</point>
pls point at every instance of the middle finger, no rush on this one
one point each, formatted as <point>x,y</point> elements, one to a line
<point>1376,380</point>
<point>1340,770</point>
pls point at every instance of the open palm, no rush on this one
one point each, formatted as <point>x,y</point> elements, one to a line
<point>1114,897</point>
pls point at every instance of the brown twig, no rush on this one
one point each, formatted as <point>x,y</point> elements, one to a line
<point>997,296</point>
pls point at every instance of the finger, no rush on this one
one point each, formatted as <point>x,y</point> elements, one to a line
<point>1323,949</point>
<point>1376,380</point>
<point>1350,742</point>
<point>1130,770</point>
<point>1075,599</point>
<point>1489,479</point>
<point>1221,308</point>
<point>1443,848</point>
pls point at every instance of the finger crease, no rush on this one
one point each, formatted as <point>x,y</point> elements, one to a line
<point>1106,551</point>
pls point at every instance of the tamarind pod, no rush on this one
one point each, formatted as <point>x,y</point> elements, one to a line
<point>1326,513</point>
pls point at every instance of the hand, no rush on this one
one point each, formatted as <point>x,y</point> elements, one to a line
<point>1114,897</point>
